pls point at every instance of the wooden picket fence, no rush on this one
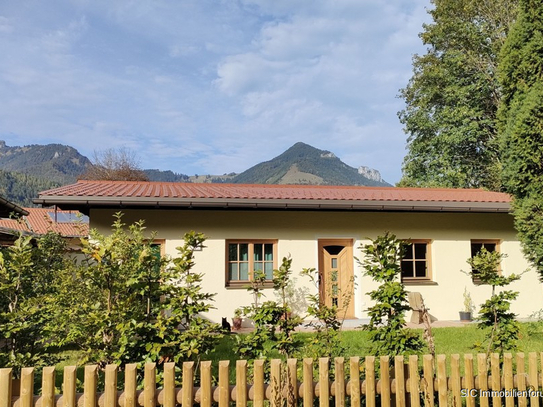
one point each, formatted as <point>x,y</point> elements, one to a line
<point>399,382</point>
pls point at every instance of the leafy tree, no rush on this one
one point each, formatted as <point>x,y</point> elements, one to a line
<point>387,330</point>
<point>521,126</point>
<point>453,96</point>
<point>495,315</point>
<point>129,303</point>
<point>27,275</point>
<point>115,165</point>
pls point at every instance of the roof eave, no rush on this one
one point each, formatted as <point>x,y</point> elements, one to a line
<point>84,203</point>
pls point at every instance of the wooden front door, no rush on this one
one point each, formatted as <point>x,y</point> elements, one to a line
<point>336,285</point>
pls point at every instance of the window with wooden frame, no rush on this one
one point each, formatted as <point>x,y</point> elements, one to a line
<point>416,264</point>
<point>491,245</point>
<point>244,257</point>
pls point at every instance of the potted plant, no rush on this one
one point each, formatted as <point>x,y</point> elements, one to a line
<point>237,320</point>
<point>466,314</point>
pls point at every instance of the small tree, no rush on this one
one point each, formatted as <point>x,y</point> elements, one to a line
<point>387,322</point>
<point>115,165</point>
<point>495,314</point>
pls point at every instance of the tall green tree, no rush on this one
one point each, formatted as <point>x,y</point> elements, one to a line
<point>453,96</point>
<point>521,125</point>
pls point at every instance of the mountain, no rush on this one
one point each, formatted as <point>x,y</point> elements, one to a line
<point>22,188</point>
<point>304,164</point>
<point>54,162</point>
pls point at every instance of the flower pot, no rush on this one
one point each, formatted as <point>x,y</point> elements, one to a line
<point>236,323</point>
<point>465,316</point>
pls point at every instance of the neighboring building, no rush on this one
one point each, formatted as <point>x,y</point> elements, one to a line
<point>253,226</point>
<point>9,209</point>
<point>72,225</point>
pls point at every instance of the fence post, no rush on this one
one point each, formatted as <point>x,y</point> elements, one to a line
<point>442,380</point>
<point>428,382</point>
<point>188,384</point>
<point>521,379</point>
<point>340,382</point>
<point>110,387</point>
<point>224,385</point>
<point>324,384</point>
<point>292,381</point>
<point>370,381</point>
<point>385,381</point>
<point>5,387</point>
<point>258,383</point>
<point>90,398</point>
<point>169,384</point>
<point>482,378</point>
<point>206,397</point>
<point>534,385</point>
<point>276,383</point>
<point>48,387</point>
<point>354,380</point>
<point>241,383</point>
<point>309,391</point>
<point>455,379</point>
<point>469,382</point>
<point>414,381</point>
<point>400,381</point>
<point>130,385</point>
<point>27,388</point>
<point>149,385</point>
<point>69,386</point>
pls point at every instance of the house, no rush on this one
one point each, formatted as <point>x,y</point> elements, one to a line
<point>9,209</point>
<point>252,227</point>
<point>38,221</point>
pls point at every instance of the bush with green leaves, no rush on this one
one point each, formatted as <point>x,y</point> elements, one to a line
<point>495,316</point>
<point>273,321</point>
<point>27,281</point>
<point>387,330</point>
<point>128,303</point>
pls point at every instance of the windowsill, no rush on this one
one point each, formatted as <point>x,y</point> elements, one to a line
<point>245,285</point>
<point>418,282</point>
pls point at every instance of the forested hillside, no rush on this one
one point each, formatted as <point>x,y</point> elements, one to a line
<point>22,188</point>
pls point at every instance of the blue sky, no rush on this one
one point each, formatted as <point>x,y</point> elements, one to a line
<point>210,86</point>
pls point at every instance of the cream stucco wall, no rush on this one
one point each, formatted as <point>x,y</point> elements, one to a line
<point>298,232</point>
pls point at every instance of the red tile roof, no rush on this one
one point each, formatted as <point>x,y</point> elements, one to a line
<point>38,221</point>
<point>136,193</point>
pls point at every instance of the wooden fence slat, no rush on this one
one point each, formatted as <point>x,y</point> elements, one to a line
<point>482,379</point>
<point>5,387</point>
<point>276,383</point>
<point>370,385</point>
<point>308,386</point>
<point>224,385</point>
<point>188,383</point>
<point>469,380</point>
<point>258,383</point>
<point>48,387</point>
<point>455,379</point>
<point>521,380</point>
<point>533,382</point>
<point>496,379</point>
<point>354,381</point>
<point>69,386</point>
<point>508,378</point>
<point>324,383</point>
<point>149,385</point>
<point>399,375</point>
<point>428,380</point>
<point>169,385</point>
<point>110,386</point>
<point>339,383</point>
<point>385,381</point>
<point>205,384</point>
<point>414,381</point>
<point>292,382</point>
<point>27,388</point>
<point>241,383</point>
<point>130,385</point>
<point>442,387</point>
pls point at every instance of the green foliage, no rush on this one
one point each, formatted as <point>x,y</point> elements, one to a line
<point>453,96</point>
<point>521,125</point>
<point>128,303</point>
<point>307,159</point>
<point>27,275</point>
<point>273,321</point>
<point>387,331</point>
<point>495,316</point>
<point>327,340</point>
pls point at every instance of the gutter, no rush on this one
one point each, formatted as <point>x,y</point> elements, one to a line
<point>84,203</point>
<point>17,209</point>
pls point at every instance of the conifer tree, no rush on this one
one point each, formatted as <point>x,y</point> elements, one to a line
<point>521,125</point>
